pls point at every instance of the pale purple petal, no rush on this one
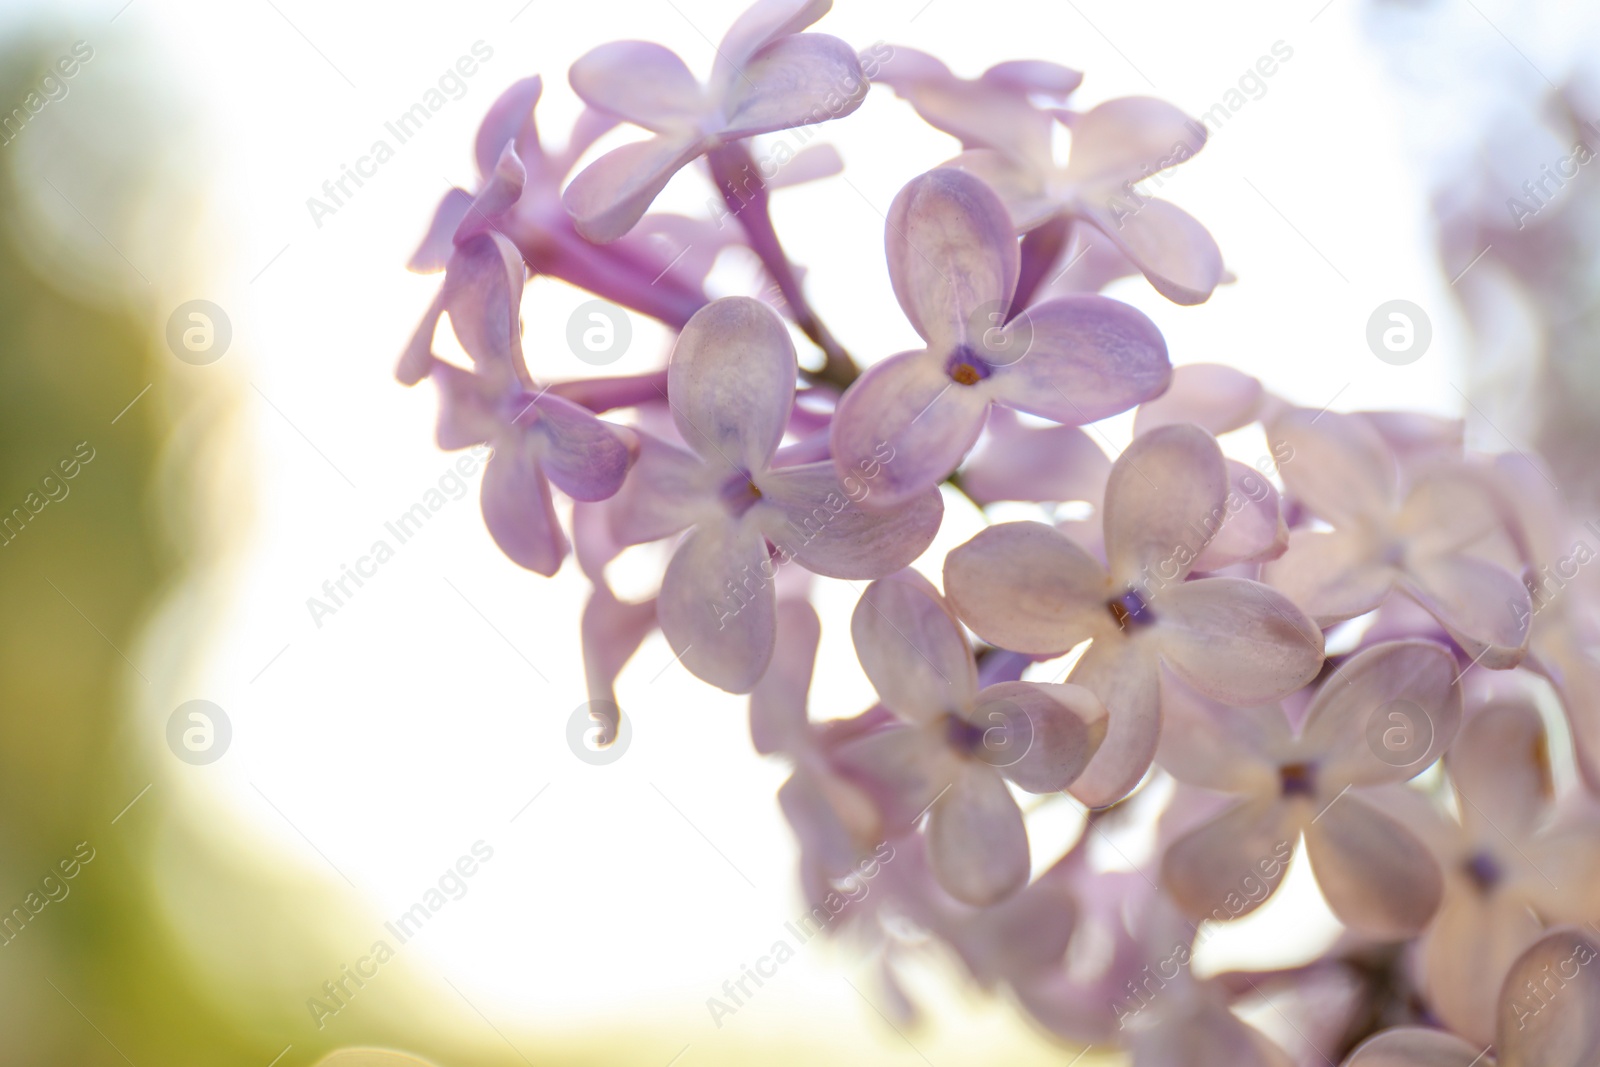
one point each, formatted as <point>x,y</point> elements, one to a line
<point>1164,503</point>
<point>434,251</point>
<point>812,163</point>
<point>502,188</point>
<point>1484,607</point>
<point>717,605</point>
<point>1502,763</point>
<point>1214,397</point>
<point>828,526</point>
<point>483,295</point>
<point>903,426</point>
<point>904,767</point>
<point>1228,866</point>
<point>1336,465</point>
<point>669,490</point>
<point>1045,463</point>
<point>977,845</point>
<point>1377,877</point>
<point>1410,688</point>
<point>1128,139</point>
<point>1122,672</point>
<point>1079,359</point>
<point>417,360</point>
<point>1027,587</point>
<point>1021,189</point>
<point>912,648</point>
<point>517,506</point>
<point>609,196</point>
<point>1332,575</point>
<point>778,721</point>
<point>794,81</point>
<point>509,119</point>
<point>1253,530</point>
<point>1228,750</point>
<point>762,23</point>
<point>953,257</point>
<point>731,383</point>
<point>1468,949</point>
<point>1559,1028</point>
<point>1169,246</point>
<point>468,407</point>
<point>642,82</point>
<point>835,821</point>
<point>586,458</point>
<point>1028,76</point>
<point>1041,735</point>
<point>1412,1046</point>
<point>1237,641</point>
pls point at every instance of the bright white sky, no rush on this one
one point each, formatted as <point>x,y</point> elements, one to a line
<point>408,726</point>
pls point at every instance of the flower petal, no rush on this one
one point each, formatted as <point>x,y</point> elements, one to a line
<point>1081,359</point>
<point>1027,587</point>
<point>670,490</point>
<point>1378,878</point>
<point>778,721</point>
<point>1038,734</point>
<point>640,81</point>
<point>502,188</point>
<point>1484,607</point>
<point>1169,246</point>
<point>1021,189</point>
<point>1237,641</point>
<point>509,120</point>
<point>722,638</point>
<point>1123,674</point>
<point>1253,529</point>
<point>797,80</point>
<point>1560,1026</point>
<point>1333,575</point>
<point>1468,949</point>
<point>1229,750</point>
<point>1213,396</point>
<point>1336,465</point>
<point>610,195</point>
<point>835,820</point>
<point>1046,463</point>
<point>1501,762</point>
<point>517,507</point>
<point>1128,139</point>
<point>483,295</point>
<point>1164,503</point>
<point>468,407</point>
<point>1413,1046</point>
<point>731,383</point>
<point>1410,689</point>
<point>1229,865</point>
<point>434,251</point>
<point>903,426</point>
<point>977,845</point>
<point>587,459</point>
<point>953,256</point>
<point>825,525</point>
<point>912,648</point>
<point>762,23</point>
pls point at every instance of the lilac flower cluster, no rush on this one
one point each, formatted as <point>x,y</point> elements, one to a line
<point>1347,644</point>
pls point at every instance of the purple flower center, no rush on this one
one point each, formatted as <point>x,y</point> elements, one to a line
<point>1299,779</point>
<point>1484,871</point>
<point>739,494</point>
<point>1130,608</point>
<point>963,736</point>
<point>966,367</point>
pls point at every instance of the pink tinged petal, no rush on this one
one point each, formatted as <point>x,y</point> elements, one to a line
<point>509,119</point>
<point>612,632</point>
<point>1468,949</point>
<point>642,82</point>
<point>1207,1035</point>
<point>904,426</point>
<point>591,125</point>
<point>717,606</point>
<point>1228,866</point>
<point>778,721</point>
<point>417,360</point>
<point>517,506</point>
<point>1169,246</point>
<point>1412,1046</point>
<point>1415,436</point>
<point>468,407</point>
<point>1229,750</point>
<point>1049,463</point>
<point>610,195</point>
<point>434,251</point>
<point>835,821</point>
<point>483,294</point>
<point>587,459</point>
<point>1020,188</point>
<point>1378,878</point>
<point>1336,465</point>
<point>1237,641</point>
<point>762,23</point>
<point>1253,530</point>
<point>1332,575</point>
<point>1025,586</point>
<point>501,189</point>
<point>953,256</point>
<point>1483,607</point>
<point>1164,503</point>
<point>1034,76</point>
<point>794,81</point>
<point>1501,763</point>
<point>1550,1009</point>
<point>912,648</point>
<point>731,383</point>
<point>1128,139</point>
<point>1214,397</point>
<point>825,525</point>
<point>1079,359</point>
<point>670,490</point>
<point>904,768</point>
<point>1039,734</point>
<point>810,164</point>
<point>977,845</point>
<point>1123,674</point>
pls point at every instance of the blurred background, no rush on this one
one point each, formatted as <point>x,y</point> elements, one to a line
<point>168,509</point>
